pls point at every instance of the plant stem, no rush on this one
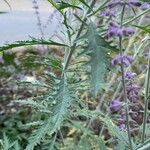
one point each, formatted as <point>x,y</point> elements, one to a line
<point>125,99</point>
<point>98,9</point>
<point>136,17</point>
<point>147,90</point>
<point>125,95</point>
<point>72,49</point>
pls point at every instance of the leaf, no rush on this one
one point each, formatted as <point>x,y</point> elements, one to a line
<point>62,5</point>
<point>54,4</point>
<point>74,2</point>
<point>33,41</point>
<point>2,12</point>
<point>97,50</point>
<point>17,146</point>
<point>63,101</point>
<point>144,28</point>
<point>145,147</point>
<point>39,134</point>
<point>8,58</point>
<point>6,143</point>
<point>88,137</point>
<point>113,129</point>
<point>31,103</point>
<point>116,132</point>
<point>60,112</point>
<point>84,144</point>
<point>83,2</point>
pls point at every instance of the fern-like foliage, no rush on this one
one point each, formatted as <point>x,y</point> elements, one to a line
<point>59,113</point>
<point>7,144</point>
<point>32,103</point>
<point>33,41</point>
<point>63,101</point>
<point>97,49</point>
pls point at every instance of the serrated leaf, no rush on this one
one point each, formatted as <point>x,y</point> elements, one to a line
<point>97,50</point>
<point>33,41</point>
<point>6,142</point>
<point>31,103</point>
<point>17,146</point>
<point>60,111</point>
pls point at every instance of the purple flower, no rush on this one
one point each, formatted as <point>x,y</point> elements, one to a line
<point>136,113</point>
<point>136,107</point>
<point>126,60</point>
<point>115,105</point>
<point>122,126</point>
<point>109,13</point>
<point>128,31</point>
<point>116,30</point>
<point>122,121</point>
<point>147,54</point>
<point>133,92</point>
<point>114,3</point>
<point>133,88</point>
<point>129,75</point>
<point>119,32</point>
<point>1,60</point>
<point>145,5</point>
<point>136,3</point>
<point>137,117</point>
<point>122,117</point>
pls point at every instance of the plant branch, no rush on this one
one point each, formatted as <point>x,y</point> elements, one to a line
<point>136,17</point>
<point>72,48</point>
<point>98,9</point>
<point>147,90</point>
<point>125,99</point>
<point>125,95</point>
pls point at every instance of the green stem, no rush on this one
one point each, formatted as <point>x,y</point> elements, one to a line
<point>147,90</point>
<point>98,9</point>
<point>125,96</point>
<point>125,99</point>
<point>136,17</point>
<point>72,49</point>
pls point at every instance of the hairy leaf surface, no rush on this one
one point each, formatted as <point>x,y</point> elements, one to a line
<point>60,111</point>
<point>97,50</point>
